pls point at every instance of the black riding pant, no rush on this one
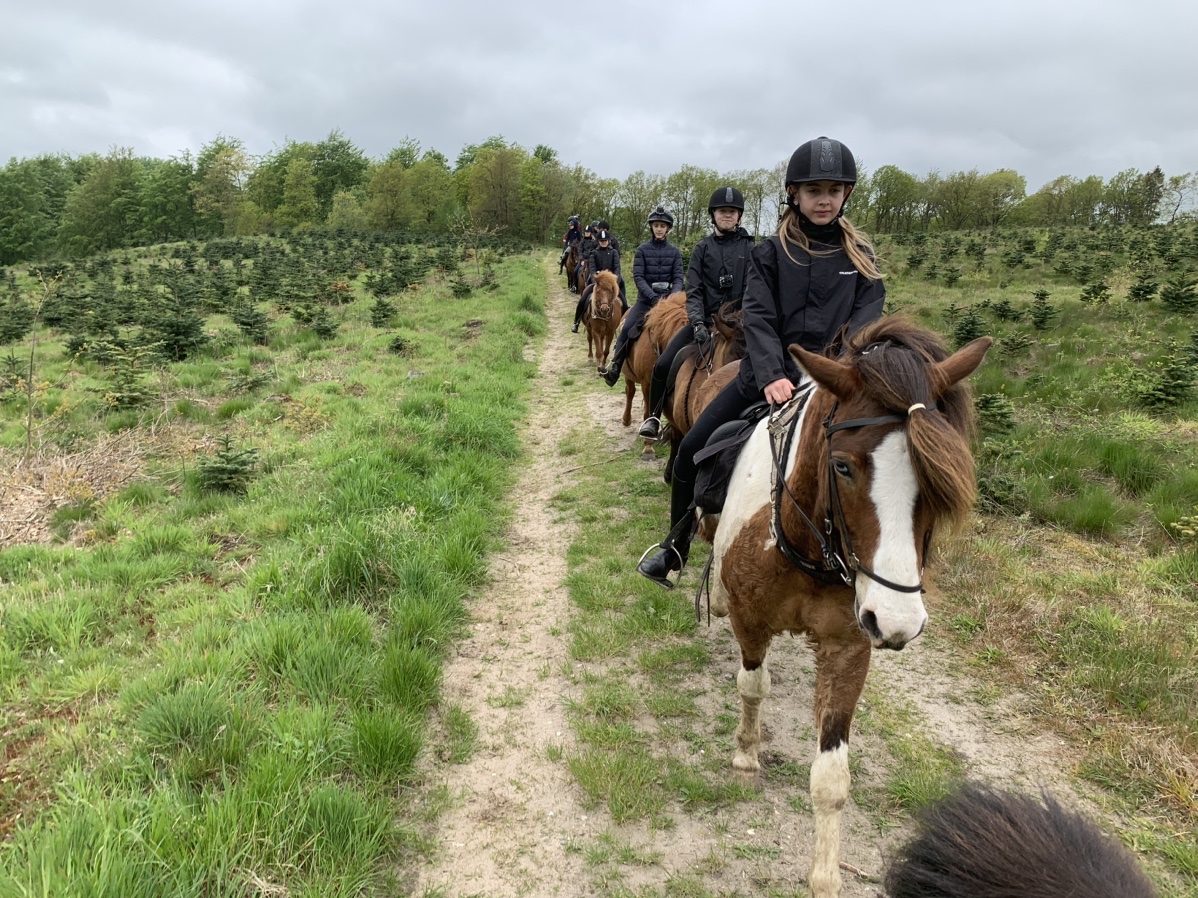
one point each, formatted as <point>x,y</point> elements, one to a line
<point>661,369</point>
<point>634,319</point>
<point>727,406</point>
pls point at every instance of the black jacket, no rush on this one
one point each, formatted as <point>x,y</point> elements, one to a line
<point>713,256</point>
<point>605,260</point>
<point>806,301</point>
<point>656,261</point>
<point>587,246</point>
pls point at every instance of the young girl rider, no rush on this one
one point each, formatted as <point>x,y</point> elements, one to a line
<point>715,275</point>
<point>814,277</point>
<point>657,270</point>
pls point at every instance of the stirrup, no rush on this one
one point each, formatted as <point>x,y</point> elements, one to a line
<point>650,432</point>
<point>665,581</point>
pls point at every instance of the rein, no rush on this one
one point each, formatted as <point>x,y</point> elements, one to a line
<point>839,563</point>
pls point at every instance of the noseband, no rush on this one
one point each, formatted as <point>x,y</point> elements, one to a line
<point>839,563</point>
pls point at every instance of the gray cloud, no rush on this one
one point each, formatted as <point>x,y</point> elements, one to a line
<point>1071,87</point>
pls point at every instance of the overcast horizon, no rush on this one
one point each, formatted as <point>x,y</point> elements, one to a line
<point>1074,88</point>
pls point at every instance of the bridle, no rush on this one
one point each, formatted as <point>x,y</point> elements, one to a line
<point>838,564</point>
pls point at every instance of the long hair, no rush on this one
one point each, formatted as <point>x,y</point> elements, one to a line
<point>856,243</point>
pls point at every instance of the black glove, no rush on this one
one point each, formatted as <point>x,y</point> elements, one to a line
<point>702,334</point>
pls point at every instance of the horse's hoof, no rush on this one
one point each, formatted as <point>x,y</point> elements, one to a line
<point>745,762</point>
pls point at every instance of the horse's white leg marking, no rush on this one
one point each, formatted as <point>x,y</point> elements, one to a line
<point>753,686</point>
<point>829,791</point>
<point>900,615</point>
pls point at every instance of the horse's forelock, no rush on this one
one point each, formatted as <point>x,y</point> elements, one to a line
<point>893,358</point>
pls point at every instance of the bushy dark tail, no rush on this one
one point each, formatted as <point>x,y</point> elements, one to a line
<point>985,843</point>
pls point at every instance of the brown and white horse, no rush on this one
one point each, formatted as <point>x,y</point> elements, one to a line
<point>880,455</point>
<point>602,316</point>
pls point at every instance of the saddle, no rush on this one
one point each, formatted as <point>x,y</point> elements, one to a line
<point>718,456</point>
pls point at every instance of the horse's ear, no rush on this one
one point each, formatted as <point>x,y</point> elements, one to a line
<point>959,365</point>
<point>839,380</point>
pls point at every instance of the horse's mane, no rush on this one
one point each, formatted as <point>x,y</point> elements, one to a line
<point>665,318</point>
<point>606,280</point>
<point>729,323</point>
<point>892,357</point>
<point>985,843</point>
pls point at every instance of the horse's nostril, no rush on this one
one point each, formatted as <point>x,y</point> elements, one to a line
<point>869,623</point>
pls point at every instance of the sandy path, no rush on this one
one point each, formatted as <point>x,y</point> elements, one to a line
<point>515,812</point>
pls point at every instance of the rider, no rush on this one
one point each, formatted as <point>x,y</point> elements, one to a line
<point>716,275</point>
<point>605,257</point>
<point>815,277</point>
<point>604,226</point>
<point>573,235</point>
<point>585,247</point>
<point>657,270</point>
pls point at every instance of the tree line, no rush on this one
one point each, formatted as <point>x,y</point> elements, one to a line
<point>60,205</point>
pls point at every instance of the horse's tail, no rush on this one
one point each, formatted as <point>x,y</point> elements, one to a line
<point>985,843</point>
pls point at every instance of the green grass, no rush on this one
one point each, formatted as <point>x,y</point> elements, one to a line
<point>226,686</point>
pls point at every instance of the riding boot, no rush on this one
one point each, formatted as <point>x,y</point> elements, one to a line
<point>675,549</point>
<point>651,428</point>
<point>612,376</point>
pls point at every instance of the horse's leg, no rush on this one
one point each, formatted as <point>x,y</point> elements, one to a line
<point>753,684</point>
<point>647,453</point>
<point>840,669</point>
<point>590,341</point>
<point>629,394</point>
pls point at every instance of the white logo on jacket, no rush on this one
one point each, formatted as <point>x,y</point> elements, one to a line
<point>854,271</point>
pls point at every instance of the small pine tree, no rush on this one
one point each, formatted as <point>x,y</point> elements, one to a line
<point>996,413</point>
<point>1143,289</point>
<point>1097,292</point>
<point>969,327</point>
<point>381,313</point>
<point>229,469</point>
<point>1042,311</point>
<point>322,323</point>
<point>951,276</point>
<point>1180,294</point>
<point>251,321</point>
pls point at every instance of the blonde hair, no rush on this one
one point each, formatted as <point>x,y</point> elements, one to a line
<point>858,246</point>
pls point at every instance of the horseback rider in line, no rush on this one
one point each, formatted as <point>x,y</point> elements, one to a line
<point>716,275</point>
<point>657,271</point>
<point>813,278</point>
<point>605,257</point>
<point>586,246</point>
<point>615,242</point>
<point>573,235</point>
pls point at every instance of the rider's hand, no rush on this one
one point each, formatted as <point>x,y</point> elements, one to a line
<point>779,391</point>
<point>702,334</point>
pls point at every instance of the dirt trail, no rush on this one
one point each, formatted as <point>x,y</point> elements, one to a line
<point>515,813</point>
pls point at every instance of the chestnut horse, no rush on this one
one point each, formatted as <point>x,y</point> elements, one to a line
<point>689,394</point>
<point>663,321</point>
<point>602,317</point>
<point>582,275</point>
<point>875,458</point>
<point>573,254</point>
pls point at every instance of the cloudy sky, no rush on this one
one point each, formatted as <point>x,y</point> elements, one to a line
<point>1046,87</point>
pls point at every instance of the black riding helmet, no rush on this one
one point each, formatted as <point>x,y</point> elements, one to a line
<point>660,214</point>
<point>822,159</point>
<point>726,198</point>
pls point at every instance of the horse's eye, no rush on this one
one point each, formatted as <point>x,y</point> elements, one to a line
<point>842,468</point>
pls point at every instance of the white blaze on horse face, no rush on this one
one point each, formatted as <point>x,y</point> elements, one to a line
<point>900,616</point>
